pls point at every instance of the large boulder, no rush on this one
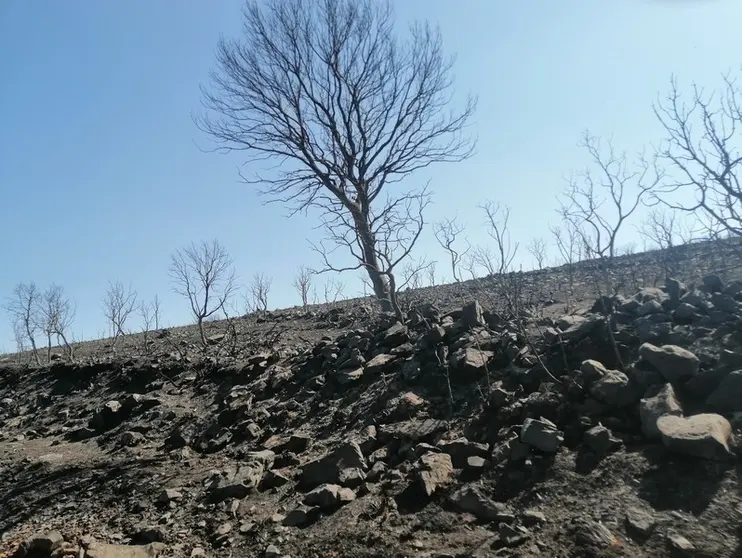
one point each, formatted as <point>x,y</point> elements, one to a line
<point>706,435</point>
<point>673,362</point>
<point>435,471</point>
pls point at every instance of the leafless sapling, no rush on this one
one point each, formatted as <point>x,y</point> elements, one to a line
<point>598,201</point>
<point>259,288</point>
<point>702,147</point>
<point>431,273</point>
<point>329,87</point>
<point>56,314</point>
<point>204,274</point>
<point>498,221</point>
<point>334,289</point>
<point>537,248</point>
<point>148,312</point>
<point>119,304</point>
<point>568,244</point>
<point>446,232</point>
<point>23,307</point>
<point>302,284</point>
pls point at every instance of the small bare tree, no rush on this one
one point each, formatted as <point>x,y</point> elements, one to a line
<point>302,283</point>
<point>148,312</point>
<point>703,148</point>
<point>431,273</point>
<point>327,88</point>
<point>259,288</point>
<point>56,314</point>
<point>446,232</point>
<point>498,220</point>
<point>23,306</point>
<point>568,243</point>
<point>583,204</point>
<point>334,289</point>
<point>118,304</point>
<point>20,336</point>
<point>203,273</point>
<point>537,248</point>
<point>156,311</point>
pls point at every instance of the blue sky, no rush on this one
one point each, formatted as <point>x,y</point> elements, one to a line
<point>101,177</point>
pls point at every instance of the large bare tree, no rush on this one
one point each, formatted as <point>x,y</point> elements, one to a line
<point>204,274</point>
<point>119,303</point>
<point>703,146</point>
<point>327,90</point>
<point>56,314</point>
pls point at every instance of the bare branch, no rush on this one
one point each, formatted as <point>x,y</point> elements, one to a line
<point>446,232</point>
<point>118,304</point>
<point>537,248</point>
<point>259,288</point>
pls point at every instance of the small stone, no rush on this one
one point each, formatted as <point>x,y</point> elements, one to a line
<point>533,517</point>
<point>713,283</point>
<point>379,362</point>
<point>461,449</point>
<point>272,552</point>
<point>223,529</point>
<point>472,315</point>
<point>329,496</point>
<point>592,370</point>
<point>541,434</point>
<point>169,495</point>
<point>475,462</point>
<point>679,542</point>
<point>470,499</point>
<point>512,536</point>
<point>706,435</point>
<point>601,440</point>
<point>614,389</point>
<point>435,471</point>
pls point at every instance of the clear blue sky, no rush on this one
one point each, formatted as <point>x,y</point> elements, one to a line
<point>101,178</point>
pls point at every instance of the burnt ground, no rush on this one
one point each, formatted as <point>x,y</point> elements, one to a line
<point>332,431</point>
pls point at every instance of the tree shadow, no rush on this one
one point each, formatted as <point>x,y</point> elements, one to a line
<point>676,482</point>
<point>32,490</point>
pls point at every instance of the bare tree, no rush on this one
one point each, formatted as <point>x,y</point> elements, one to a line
<point>431,273</point>
<point>56,314</point>
<point>446,232</point>
<point>334,289</point>
<point>20,336</point>
<point>327,89</point>
<point>118,304</point>
<point>259,288</point>
<point>537,248</point>
<point>156,311</point>
<point>498,219</point>
<point>583,205</point>
<point>302,283</point>
<point>23,305</point>
<point>702,147</point>
<point>568,243</point>
<point>148,312</point>
<point>203,273</point>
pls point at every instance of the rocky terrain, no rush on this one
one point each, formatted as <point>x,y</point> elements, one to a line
<point>567,425</point>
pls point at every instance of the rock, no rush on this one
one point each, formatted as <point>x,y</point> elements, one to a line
<point>352,477</point>
<point>327,469</point>
<point>541,434</point>
<point>601,440</point>
<point>476,463</point>
<point>592,370</point>
<point>652,408</point>
<point>724,302</point>
<point>395,335</point>
<point>301,516</point>
<point>512,536</point>
<point>169,495</point>
<point>650,307</point>
<point>593,534</point>
<point>131,439</point>
<point>435,471</point>
<point>614,389</point>
<point>472,315</point>
<point>329,496</point>
<point>679,543</point>
<point>675,289</point>
<point>727,398</point>
<point>461,449</point>
<point>413,431</point>
<point>265,457</point>
<point>348,375</point>
<point>470,499</point>
<point>144,534</point>
<point>272,552</point>
<point>581,330</point>
<point>108,417</point>
<point>242,482</point>
<point>471,361</point>
<point>713,284</point>
<point>684,312</point>
<point>566,322</point>
<point>39,545</point>
<point>533,517</point>
<point>274,479</point>
<point>297,443</point>
<point>411,369</point>
<point>101,550</point>
<point>640,522</point>
<point>705,435</point>
<point>379,363</point>
<point>673,362</point>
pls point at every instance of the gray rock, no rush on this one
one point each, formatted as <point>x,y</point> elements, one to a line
<point>601,440</point>
<point>435,471</point>
<point>713,283</point>
<point>652,408</point>
<point>265,457</point>
<point>673,362</point>
<point>301,516</point>
<point>727,398</point>
<point>512,535</point>
<point>327,469</point>
<point>169,495</point>
<point>380,362</point>
<point>566,322</point>
<point>675,289</point>
<point>593,534</point>
<point>724,302</point>
<point>461,449</point>
<point>679,543</point>
<point>614,389</point>
<point>533,517</point>
<point>649,307</point>
<point>705,435</point>
<point>640,522</point>
<point>348,375</point>
<point>684,312</point>
<point>240,483</point>
<point>395,335</point>
<point>470,361</point>
<point>329,496</point>
<point>592,370</point>
<point>471,500</point>
<point>272,551</point>
<point>40,544</point>
<point>472,315</point>
<point>583,329</point>
<point>411,369</point>
<point>541,434</point>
